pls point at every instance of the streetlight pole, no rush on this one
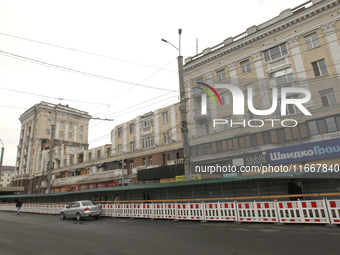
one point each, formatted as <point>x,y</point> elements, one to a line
<point>50,159</point>
<point>183,103</point>
<point>2,155</point>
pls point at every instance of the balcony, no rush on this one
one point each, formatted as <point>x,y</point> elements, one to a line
<point>175,162</point>
<point>277,64</point>
<point>103,176</point>
<point>198,116</point>
<point>147,130</point>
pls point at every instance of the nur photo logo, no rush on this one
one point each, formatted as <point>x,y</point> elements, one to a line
<point>238,105</point>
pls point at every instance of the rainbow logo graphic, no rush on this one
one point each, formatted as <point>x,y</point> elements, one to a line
<point>209,93</point>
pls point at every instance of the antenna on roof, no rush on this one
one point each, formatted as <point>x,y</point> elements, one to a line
<point>196,46</point>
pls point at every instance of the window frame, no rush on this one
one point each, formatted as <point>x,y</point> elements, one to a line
<point>282,52</point>
<point>319,70</point>
<point>245,66</point>
<point>312,41</point>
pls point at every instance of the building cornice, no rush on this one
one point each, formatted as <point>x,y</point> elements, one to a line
<point>59,108</point>
<point>258,33</point>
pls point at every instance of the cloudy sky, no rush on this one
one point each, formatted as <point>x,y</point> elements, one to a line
<point>106,57</point>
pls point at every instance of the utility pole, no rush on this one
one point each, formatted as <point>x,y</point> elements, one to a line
<point>50,163</point>
<point>2,155</point>
<point>123,172</point>
<point>183,103</point>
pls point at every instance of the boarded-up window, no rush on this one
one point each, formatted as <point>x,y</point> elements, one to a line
<point>242,142</point>
<point>273,135</point>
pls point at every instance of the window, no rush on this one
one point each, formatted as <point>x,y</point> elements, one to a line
<point>61,133</point>
<point>70,126</point>
<point>62,124</point>
<point>165,117</point>
<point>291,108</point>
<point>48,122</point>
<point>69,134</point>
<point>144,161</point>
<point>312,41</point>
<point>331,124</point>
<point>221,77</point>
<point>228,124</point>
<point>48,131</point>
<point>120,132</point>
<point>313,128</point>
<point>90,155</point>
<point>320,68</point>
<point>327,97</point>
<point>203,149</point>
<point>225,98</point>
<point>80,137</point>
<point>205,129</point>
<point>147,122</point>
<point>266,138</point>
<point>275,52</point>
<point>132,128</point>
<point>108,152</point>
<point>321,126</point>
<point>166,137</point>
<point>245,66</point>
<point>147,142</point>
<point>132,146</point>
<point>150,160</point>
<point>281,77</point>
<point>98,154</point>
<point>120,149</point>
<point>250,86</point>
<point>256,120</point>
<point>132,164</point>
<point>81,128</point>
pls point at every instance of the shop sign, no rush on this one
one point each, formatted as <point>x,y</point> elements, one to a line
<point>305,152</point>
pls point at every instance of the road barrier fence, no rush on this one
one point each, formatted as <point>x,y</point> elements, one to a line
<point>310,211</point>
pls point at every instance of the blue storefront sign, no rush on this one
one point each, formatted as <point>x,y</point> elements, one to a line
<point>305,152</point>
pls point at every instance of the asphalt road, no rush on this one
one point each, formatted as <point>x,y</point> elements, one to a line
<point>47,234</point>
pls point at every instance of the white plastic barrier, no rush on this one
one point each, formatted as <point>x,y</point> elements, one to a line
<point>190,211</point>
<point>266,212</point>
<point>164,211</point>
<point>225,211</point>
<point>303,212</point>
<point>246,212</point>
<point>333,207</point>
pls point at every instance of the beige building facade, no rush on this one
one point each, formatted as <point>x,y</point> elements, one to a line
<point>298,49</point>
<point>71,134</point>
<point>6,174</point>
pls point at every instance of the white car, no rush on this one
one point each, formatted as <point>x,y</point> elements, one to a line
<point>82,209</point>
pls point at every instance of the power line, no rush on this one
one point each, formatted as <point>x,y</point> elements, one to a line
<point>78,72</point>
<point>56,98</point>
<point>84,52</point>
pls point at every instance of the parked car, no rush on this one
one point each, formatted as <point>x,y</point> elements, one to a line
<point>81,209</point>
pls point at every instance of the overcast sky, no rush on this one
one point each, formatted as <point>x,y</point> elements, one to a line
<point>106,57</point>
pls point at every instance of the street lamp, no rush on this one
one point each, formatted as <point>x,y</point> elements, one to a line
<point>183,103</point>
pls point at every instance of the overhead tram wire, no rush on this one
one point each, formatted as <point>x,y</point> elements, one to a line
<point>56,98</point>
<point>136,84</point>
<point>81,51</point>
<point>79,72</point>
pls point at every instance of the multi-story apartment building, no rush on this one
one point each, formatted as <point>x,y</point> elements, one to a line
<point>71,135</point>
<point>292,54</point>
<point>6,174</point>
<point>152,141</point>
<point>151,145</point>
